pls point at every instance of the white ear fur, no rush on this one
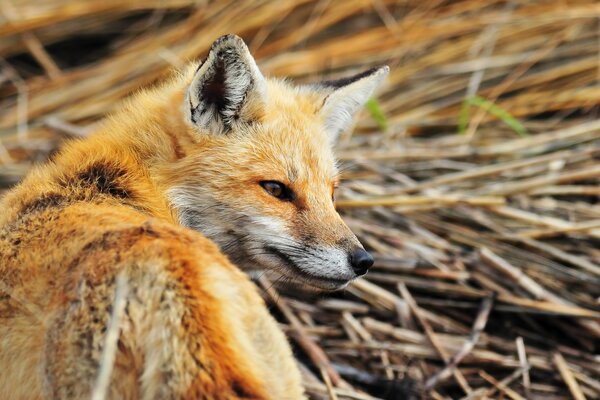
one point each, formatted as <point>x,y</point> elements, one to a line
<point>227,87</point>
<point>347,96</point>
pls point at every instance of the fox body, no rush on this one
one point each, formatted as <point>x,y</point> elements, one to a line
<point>215,170</point>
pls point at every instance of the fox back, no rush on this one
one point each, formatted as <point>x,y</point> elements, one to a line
<point>218,168</point>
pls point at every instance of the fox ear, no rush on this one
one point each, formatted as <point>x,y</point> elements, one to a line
<point>227,88</point>
<point>344,97</point>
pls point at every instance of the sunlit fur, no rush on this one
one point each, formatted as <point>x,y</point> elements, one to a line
<point>121,202</point>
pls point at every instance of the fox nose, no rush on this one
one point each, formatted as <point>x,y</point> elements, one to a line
<point>360,261</point>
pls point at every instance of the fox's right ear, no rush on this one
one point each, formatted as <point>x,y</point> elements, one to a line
<point>344,97</point>
<point>227,88</point>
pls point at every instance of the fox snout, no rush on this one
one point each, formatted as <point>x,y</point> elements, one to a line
<point>317,261</point>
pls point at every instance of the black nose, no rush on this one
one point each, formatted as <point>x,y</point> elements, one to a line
<point>361,261</point>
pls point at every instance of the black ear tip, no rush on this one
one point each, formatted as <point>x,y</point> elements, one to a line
<point>380,71</point>
<point>229,40</point>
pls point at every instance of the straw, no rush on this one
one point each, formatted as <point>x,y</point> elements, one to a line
<point>452,220</point>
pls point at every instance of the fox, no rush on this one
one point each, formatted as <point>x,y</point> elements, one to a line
<point>185,188</point>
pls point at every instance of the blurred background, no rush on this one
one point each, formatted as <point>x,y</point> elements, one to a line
<point>473,175</point>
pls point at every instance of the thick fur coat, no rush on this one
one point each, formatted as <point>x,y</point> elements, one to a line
<point>217,164</point>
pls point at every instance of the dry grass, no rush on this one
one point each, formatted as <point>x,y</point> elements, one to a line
<point>487,281</point>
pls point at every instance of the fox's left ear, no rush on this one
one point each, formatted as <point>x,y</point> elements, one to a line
<point>227,88</point>
<point>344,97</point>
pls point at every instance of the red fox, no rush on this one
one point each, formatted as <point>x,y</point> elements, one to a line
<point>217,169</point>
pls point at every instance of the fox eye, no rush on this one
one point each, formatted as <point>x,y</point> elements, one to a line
<point>278,190</point>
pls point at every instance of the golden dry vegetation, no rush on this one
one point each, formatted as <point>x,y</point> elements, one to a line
<point>474,177</point>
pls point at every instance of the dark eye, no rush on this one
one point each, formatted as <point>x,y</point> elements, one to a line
<point>278,190</point>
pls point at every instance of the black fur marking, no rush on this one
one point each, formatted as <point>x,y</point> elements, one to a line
<point>106,180</point>
<point>47,200</point>
<point>281,255</point>
<point>193,112</point>
<point>241,392</point>
<point>217,43</point>
<point>336,84</point>
<point>214,90</point>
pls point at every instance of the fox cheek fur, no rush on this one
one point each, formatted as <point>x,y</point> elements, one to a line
<point>249,129</point>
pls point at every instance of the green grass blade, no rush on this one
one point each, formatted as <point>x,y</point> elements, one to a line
<point>463,117</point>
<point>497,111</point>
<point>377,114</point>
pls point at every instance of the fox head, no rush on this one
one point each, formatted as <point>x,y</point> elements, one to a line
<point>260,176</point>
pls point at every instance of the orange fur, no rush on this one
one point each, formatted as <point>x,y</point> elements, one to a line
<point>110,205</point>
